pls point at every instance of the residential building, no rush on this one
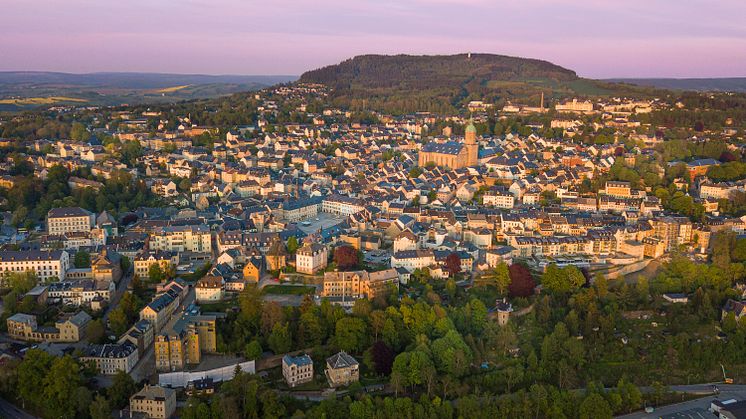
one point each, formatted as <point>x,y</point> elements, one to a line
<point>297,370</point>
<point>24,327</point>
<point>342,205</point>
<point>160,309</point>
<point>311,258</point>
<point>110,358</point>
<point>154,402</point>
<point>48,265</point>
<point>143,261</point>
<point>354,285</point>
<point>618,189</point>
<point>252,270</point>
<point>188,238</point>
<point>210,289</point>
<point>499,199</point>
<point>342,370</point>
<point>69,220</point>
<point>185,342</point>
<point>412,259</point>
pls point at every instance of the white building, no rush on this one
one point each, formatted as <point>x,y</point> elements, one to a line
<point>499,199</point>
<point>190,238</point>
<point>342,205</point>
<point>69,220</point>
<point>48,266</point>
<point>210,289</point>
<point>311,258</point>
<point>412,259</point>
<point>111,358</point>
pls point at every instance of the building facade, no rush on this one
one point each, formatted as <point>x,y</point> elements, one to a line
<point>342,370</point>
<point>154,402</point>
<point>69,220</point>
<point>48,265</point>
<point>451,154</point>
<point>297,370</point>
<point>311,258</point>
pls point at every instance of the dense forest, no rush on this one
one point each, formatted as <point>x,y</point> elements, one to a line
<point>443,83</point>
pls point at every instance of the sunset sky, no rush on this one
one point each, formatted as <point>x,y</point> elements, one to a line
<point>596,38</point>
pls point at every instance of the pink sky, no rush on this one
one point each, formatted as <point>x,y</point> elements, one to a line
<point>596,38</point>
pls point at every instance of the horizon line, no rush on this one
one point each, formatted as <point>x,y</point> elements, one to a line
<point>168,73</point>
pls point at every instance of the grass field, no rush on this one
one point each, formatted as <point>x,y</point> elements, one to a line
<point>40,100</point>
<point>288,289</point>
<point>172,89</point>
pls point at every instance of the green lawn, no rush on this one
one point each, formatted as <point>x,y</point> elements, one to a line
<point>288,289</point>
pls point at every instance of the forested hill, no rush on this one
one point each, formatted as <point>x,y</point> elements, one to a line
<point>442,83</point>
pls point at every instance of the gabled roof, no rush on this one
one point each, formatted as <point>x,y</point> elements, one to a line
<point>341,360</point>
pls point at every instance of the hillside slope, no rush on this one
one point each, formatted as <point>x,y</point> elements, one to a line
<point>442,83</point>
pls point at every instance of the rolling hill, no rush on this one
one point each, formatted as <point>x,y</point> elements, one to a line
<point>442,83</point>
<point>726,84</point>
<point>28,89</point>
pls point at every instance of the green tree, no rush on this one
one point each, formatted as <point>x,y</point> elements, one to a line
<point>79,133</point>
<point>118,321</point>
<point>350,334</point>
<point>20,282</point>
<point>82,259</point>
<point>310,330</point>
<point>562,280</point>
<point>595,407</point>
<point>451,354</point>
<point>253,350</point>
<point>95,331</point>
<point>122,387</point>
<point>62,380</point>
<point>155,273</point>
<point>280,340</point>
<point>100,408</point>
<point>31,375</point>
<point>19,216</point>
<point>292,245</point>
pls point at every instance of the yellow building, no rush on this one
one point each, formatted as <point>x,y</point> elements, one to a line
<point>184,344</point>
<point>618,189</point>
<point>252,271</point>
<point>143,261</point>
<point>452,154</point>
<point>154,402</point>
<point>358,284</point>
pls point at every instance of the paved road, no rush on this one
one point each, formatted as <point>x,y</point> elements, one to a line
<point>118,293</point>
<point>10,411</point>
<point>727,391</point>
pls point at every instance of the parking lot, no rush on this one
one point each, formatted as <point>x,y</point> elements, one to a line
<point>322,221</point>
<point>377,257</point>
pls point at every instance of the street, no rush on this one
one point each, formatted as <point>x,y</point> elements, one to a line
<point>727,391</point>
<point>9,411</point>
<point>118,293</point>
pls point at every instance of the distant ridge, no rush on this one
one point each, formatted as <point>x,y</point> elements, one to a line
<point>134,80</point>
<point>724,84</point>
<point>28,89</point>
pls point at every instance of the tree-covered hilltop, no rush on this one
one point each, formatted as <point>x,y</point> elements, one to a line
<point>441,83</point>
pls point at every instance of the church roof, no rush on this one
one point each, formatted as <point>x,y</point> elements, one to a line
<point>451,147</point>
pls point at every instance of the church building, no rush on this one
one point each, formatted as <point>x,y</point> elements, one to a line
<point>452,154</point>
